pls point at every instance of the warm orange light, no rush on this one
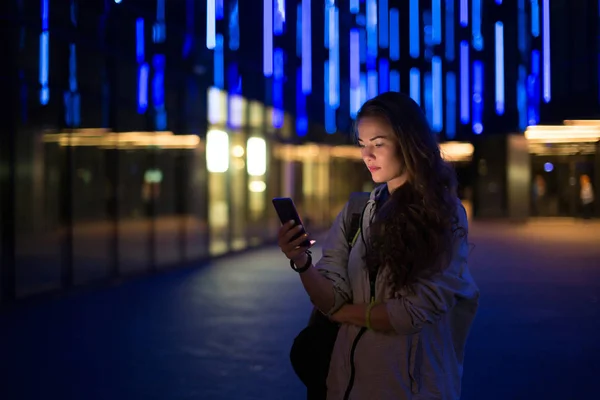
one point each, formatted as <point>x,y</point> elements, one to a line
<point>123,140</point>
<point>563,133</point>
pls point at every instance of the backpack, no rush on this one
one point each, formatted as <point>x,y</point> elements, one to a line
<point>311,351</point>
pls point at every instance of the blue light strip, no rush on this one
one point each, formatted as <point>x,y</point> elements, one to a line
<point>158,91</point>
<point>278,76</point>
<point>143,75</point>
<point>306,48</point>
<point>414,29</point>
<point>383,24</point>
<point>354,72</point>
<point>464,82</point>
<point>394,81</point>
<point>476,24</point>
<point>533,89</point>
<point>450,30</point>
<point>330,123</point>
<point>535,18</point>
<point>139,40</point>
<point>546,49</point>
<point>437,97</point>
<point>499,68</point>
<point>301,118</point>
<point>363,87</point>
<point>220,11</point>
<point>234,26</point>
<point>371,34</point>
<point>362,34</point>
<point>394,34</point>
<point>415,85</point>
<point>44,55</point>
<point>219,63</point>
<point>522,28</point>
<point>384,75</point>
<point>428,94</point>
<point>464,13</point>
<point>354,6</point>
<point>522,97</point>
<point>279,13</point>
<point>268,38</point>
<point>299,31</point>
<point>477,97</point>
<point>450,105</point>
<point>372,87</point>
<point>159,30</point>
<point>211,24</point>
<point>334,59</point>
<point>436,16</point>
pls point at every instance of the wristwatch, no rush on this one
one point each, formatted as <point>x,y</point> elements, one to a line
<point>305,267</point>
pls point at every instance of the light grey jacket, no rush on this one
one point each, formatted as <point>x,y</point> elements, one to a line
<point>423,358</point>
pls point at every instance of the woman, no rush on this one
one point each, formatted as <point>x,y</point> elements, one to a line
<point>403,336</point>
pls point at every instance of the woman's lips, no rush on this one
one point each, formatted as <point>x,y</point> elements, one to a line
<point>373,169</point>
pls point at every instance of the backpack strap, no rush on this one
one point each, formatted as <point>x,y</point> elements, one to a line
<point>356,205</point>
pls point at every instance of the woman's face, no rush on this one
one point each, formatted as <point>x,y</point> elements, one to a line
<point>379,150</point>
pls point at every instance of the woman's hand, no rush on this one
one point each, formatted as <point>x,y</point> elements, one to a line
<point>292,248</point>
<point>340,315</point>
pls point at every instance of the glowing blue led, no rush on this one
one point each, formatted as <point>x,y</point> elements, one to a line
<point>546,49</point>
<point>522,97</point>
<point>499,68</point>
<point>279,20</point>
<point>476,25</point>
<point>383,24</point>
<point>428,94</point>
<point>449,30</point>
<point>306,48</point>
<point>477,97</point>
<point>159,30</point>
<point>354,72</point>
<point>371,34</point>
<point>384,74</point>
<point>139,40</point>
<point>234,26</point>
<point>464,82</point>
<point>548,167</point>
<point>354,6</point>
<point>394,34</point>
<point>522,28</point>
<point>143,74</point>
<point>450,105</point>
<point>437,96</point>
<point>299,31</point>
<point>464,13</point>
<point>533,89</point>
<point>334,59</point>
<point>415,85</point>
<point>372,83</point>
<point>436,19</point>
<point>219,10</point>
<point>394,81</point>
<point>363,87</point>
<point>278,75</point>
<point>362,35</point>
<point>219,63</point>
<point>268,38</point>
<point>414,49</point>
<point>535,18</point>
<point>158,91</point>
<point>44,55</point>
<point>211,24</point>
<point>301,117</point>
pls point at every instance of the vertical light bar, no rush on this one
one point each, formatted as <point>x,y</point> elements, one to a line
<point>354,6</point>
<point>354,72</point>
<point>306,48</point>
<point>372,83</point>
<point>535,18</point>
<point>334,59</point>
<point>464,13</point>
<point>384,74</point>
<point>533,89</point>
<point>301,118</point>
<point>546,49</point>
<point>414,28</point>
<point>383,24</point>
<point>219,63</point>
<point>437,96</point>
<point>394,81</point>
<point>268,38</point>
<point>394,34</point>
<point>450,30</point>
<point>234,26</point>
<point>299,31</point>
<point>143,67</point>
<point>464,82</point>
<point>159,30</point>
<point>188,41</point>
<point>363,87</point>
<point>330,123</point>
<point>371,34</point>
<point>436,16</point>
<point>219,10</point>
<point>476,25</point>
<point>477,97</point>
<point>499,68</point>
<point>522,28</point>
<point>415,85</point>
<point>428,95</point>
<point>158,91</point>
<point>211,26</point>
<point>450,105</point>
<point>44,55</point>
<point>279,20</point>
<point>139,40</point>
<point>278,76</point>
<point>522,97</point>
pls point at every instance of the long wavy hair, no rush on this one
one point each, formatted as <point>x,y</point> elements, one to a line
<point>412,235</point>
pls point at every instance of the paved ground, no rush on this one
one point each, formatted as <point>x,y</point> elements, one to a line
<point>224,331</point>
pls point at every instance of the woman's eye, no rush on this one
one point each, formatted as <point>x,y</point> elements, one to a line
<point>378,144</point>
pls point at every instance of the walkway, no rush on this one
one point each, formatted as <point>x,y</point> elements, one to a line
<point>224,331</point>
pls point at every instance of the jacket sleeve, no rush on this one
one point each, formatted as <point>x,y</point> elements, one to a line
<point>333,264</point>
<point>431,298</point>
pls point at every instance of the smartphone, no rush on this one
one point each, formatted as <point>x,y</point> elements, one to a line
<point>286,210</point>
